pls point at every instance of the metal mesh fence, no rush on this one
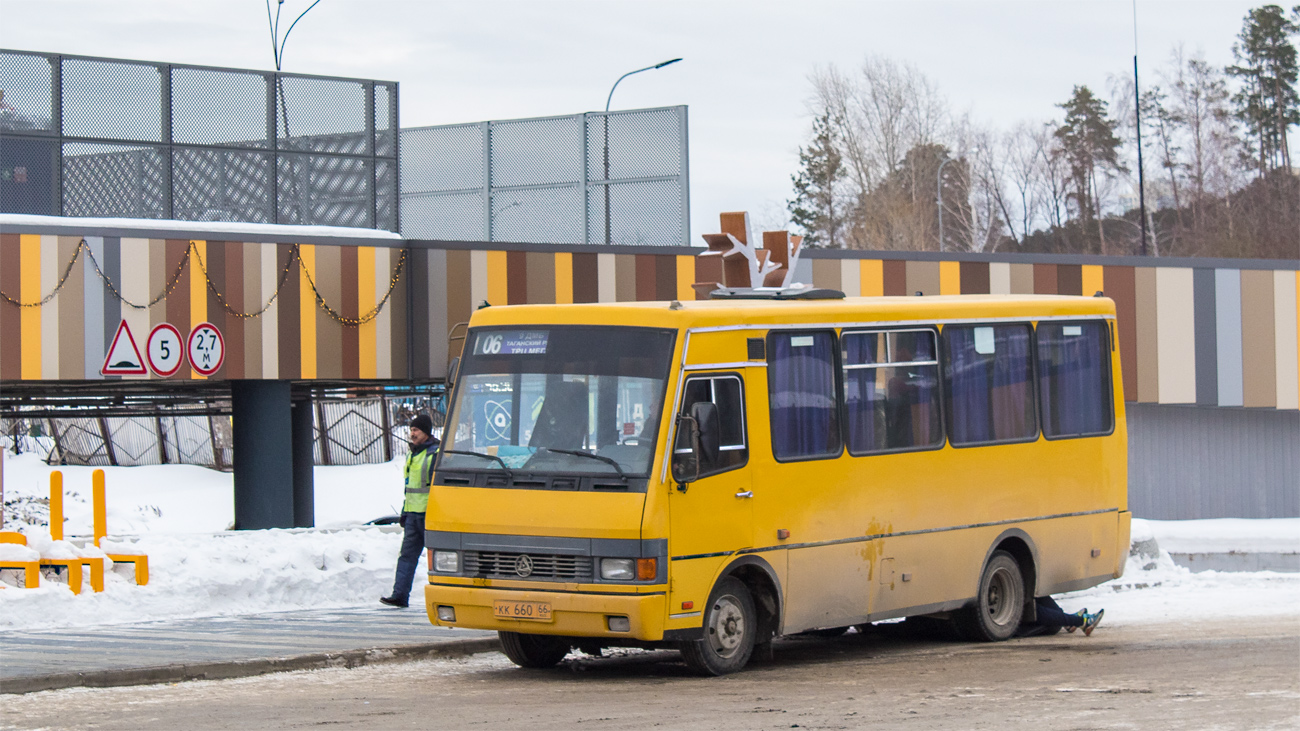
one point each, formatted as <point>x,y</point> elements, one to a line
<point>596,178</point>
<point>105,137</point>
<point>347,431</point>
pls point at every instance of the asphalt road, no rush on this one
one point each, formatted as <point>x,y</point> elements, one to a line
<point>1233,674</point>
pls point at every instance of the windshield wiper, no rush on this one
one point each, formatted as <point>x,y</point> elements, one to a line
<point>602,458</point>
<point>509,474</point>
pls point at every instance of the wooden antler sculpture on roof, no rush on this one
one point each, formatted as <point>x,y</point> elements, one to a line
<point>731,261</point>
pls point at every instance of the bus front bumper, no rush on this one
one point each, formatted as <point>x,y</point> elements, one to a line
<point>572,614</point>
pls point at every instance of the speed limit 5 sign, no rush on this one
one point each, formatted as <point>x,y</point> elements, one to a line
<point>164,350</point>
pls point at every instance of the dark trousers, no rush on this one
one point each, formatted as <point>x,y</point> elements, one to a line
<point>409,558</point>
<point>1051,614</point>
<point>1051,618</point>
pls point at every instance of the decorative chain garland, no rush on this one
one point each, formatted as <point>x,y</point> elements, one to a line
<point>192,251</point>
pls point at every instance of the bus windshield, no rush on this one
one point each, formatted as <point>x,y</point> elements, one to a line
<point>577,399</point>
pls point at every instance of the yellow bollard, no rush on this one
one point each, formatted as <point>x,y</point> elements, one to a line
<point>56,505</point>
<point>97,495</point>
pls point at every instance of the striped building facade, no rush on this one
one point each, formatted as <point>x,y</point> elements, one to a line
<point>1210,348</point>
<point>1208,332</point>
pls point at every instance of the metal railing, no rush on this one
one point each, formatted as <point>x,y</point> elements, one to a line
<point>347,431</point>
<point>85,136</point>
<point>596,178</point>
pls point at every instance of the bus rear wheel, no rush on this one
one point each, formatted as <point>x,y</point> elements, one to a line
<point>730,629</point>
<point>534,651</point>
<point>998,607</point>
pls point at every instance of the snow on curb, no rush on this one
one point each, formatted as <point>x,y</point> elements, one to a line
<point>221,574</point>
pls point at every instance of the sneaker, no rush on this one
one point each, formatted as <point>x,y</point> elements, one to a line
<point>1091,621</point>
<point>393,602</point>
<point>1081,613</point>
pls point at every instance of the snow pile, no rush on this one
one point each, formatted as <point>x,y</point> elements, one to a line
<point>1155,589</point>
<point>19,221</point>
<point>1226,535</point>
<point>177,515</point>
<point>220,574</point>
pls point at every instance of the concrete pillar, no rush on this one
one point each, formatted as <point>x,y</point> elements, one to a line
<point>261,422</point>
<point>304,462</point>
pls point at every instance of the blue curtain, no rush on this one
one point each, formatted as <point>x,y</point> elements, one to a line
<point>1013,396</point>
<point>989,394</point>
<point>1074,378</point>
<point>803,401</point>
<point>860,392</point>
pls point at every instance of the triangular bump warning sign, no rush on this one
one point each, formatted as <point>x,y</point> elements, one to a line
<point>123,357</point>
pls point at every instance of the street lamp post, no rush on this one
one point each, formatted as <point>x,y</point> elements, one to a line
<point>608,237</point>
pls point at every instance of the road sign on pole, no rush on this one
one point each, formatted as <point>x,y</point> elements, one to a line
<point>123,358</point>
<point>164,350</point>
<point>206,349</point>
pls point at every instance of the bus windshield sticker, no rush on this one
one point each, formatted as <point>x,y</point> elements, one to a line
<point>984,340</point>
<point>511,342</point>
<point>1072,330</point>
<point>801,341</point>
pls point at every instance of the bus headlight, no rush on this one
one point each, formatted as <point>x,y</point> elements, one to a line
<point>618,569</point>
<point>447,562</point>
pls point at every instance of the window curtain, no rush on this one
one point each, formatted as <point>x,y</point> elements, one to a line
<point>860,393</point>
<point>989,394</point>
<point>1013,408</point>
<point>803,400</point>
<point>969,417</point>
<point>1074,379</point>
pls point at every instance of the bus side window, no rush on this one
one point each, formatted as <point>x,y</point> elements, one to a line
<point>988,375</point>
<point>803,394</point>
<point>727,393</point>
<point>1074,379</point>
<point>891,391</point>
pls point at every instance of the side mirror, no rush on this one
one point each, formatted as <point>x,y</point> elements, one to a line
<point>453,368</point>
<point>686,464</point>
<point>706,416</point>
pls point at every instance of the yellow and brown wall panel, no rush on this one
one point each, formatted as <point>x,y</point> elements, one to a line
<point>1208,332</point>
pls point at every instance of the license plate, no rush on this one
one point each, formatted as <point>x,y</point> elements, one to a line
<point>533,611</point>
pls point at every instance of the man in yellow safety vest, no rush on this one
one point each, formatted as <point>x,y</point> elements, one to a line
<point>419,472</point>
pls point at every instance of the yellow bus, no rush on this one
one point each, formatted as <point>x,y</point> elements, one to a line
<point>820,463</point>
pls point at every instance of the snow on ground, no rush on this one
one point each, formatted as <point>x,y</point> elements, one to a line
<point>1222,535</point>
<point>179,514</point>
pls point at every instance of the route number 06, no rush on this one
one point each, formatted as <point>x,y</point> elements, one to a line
<point>489,344</point>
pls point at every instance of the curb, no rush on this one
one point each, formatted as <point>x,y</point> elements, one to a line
<point>246,668</point>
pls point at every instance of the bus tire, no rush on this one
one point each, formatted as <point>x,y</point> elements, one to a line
<point>730,630</point>
<point>1000,603</point>
<point>534,651</point>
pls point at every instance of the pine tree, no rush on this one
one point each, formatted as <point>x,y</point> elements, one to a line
<point>1088,142</point>
<point>816,188</point>
<point>1266,64</point>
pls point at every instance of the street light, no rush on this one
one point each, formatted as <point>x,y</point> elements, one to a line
<point>938,185</point>
<point>607,102</point>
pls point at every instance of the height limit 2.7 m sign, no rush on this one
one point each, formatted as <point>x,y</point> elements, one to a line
<point>206,349</point>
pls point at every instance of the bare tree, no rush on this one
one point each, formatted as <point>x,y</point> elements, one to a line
<point>883,112</point>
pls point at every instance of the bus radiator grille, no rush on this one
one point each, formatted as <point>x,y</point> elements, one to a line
<point>495,564</point>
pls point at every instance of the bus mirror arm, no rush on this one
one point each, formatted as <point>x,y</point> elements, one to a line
<point>686,467</point>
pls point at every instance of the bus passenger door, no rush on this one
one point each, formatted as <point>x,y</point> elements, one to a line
<point>711,517</point>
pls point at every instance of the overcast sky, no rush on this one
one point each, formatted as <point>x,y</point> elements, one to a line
<point>744,76</point>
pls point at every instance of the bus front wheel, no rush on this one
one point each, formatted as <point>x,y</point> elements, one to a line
<point>534,651</point>
<point>999,604</point>
<point>730,628</point>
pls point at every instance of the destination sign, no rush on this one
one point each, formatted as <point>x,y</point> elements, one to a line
<point>511,342</point>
